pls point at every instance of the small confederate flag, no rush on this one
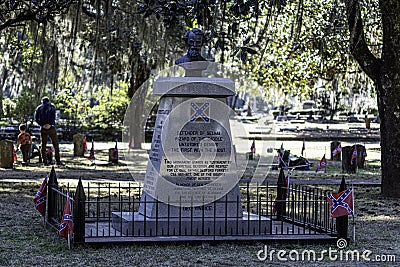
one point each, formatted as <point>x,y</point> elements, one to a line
<point>50,150</point>
<point>337,150</point>
<point>322,164</point>
<point>14,154</point>
<point>354,155</point>
<point>253,147</point>
<point>84,145</point>
<point>275,206</point>
<point>341,203</point>
<point>115,151</point>
<point>91,155</point>
<point>40,197</point>
<point>287,182</point>
<point>364,155</point>
<point>303,148</point>
<point>66,226</point>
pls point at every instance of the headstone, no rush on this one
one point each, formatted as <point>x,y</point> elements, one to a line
<point>367,122</point>
<point>6,154</point>
<point>334,146</point>
<point>112,156</point>
<point>79,150</point>
<point>360,157</point>
<point>347,167</point>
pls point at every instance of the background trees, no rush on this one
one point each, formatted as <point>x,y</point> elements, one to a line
<point>91,49</point>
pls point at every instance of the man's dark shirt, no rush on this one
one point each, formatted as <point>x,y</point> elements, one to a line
<point>45,114</point>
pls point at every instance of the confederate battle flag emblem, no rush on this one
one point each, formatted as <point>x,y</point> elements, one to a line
<point>341,203</point>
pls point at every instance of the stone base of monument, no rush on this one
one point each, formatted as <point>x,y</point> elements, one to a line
<point>135,224</point>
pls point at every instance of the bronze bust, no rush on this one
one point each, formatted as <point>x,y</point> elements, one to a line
<point>194,39</point>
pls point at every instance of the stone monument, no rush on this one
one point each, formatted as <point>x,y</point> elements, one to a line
<point>191,182</point>
<point>79,150</point>
<point>6,154</point>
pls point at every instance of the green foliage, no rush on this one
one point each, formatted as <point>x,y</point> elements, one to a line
<point>24,106</point>
<point>112,107</point>
<point>107,112</point>
<point>286,47</point>
<point>72,105</point>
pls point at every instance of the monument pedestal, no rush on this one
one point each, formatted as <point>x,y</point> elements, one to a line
<point>136,224</point>
<point>191,183</point>
<point>191,161</point>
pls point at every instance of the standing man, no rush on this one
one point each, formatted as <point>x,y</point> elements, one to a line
<point>45,116</point>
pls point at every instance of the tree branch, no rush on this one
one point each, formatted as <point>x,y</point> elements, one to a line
<point>32,12</point>
<point>20,18</point>
<point>358,46</point>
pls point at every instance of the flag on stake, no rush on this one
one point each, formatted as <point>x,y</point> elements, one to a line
<point>287,181</point>
<point>303,148</point>
<point>252,150</point>
<point>66,228</point>
<point>281,150</point>
<point>91,155</point>
<point>275,206</point>
<point>84,145</point>
<point>364,154</point>
<point>322,164</point>
<point>253,147</point>
<point>14,154</point>
<point>115,151</point>
<point>337,150</point>
<point>341,203</point>
<point>40,197</point>
<point>354,155</point>
<point>50,150</point>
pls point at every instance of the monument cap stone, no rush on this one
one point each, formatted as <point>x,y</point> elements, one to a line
<point>194,86</point>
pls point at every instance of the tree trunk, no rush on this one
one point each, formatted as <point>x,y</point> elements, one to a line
<point>388,87</point>
<point>384,72</point>
<point>140,73</point>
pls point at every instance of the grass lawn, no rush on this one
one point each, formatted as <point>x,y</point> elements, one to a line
<point>25,241</point>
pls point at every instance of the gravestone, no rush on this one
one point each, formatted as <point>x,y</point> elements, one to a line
<point>347,167</point>
<point>6,154</point>
<point>367,122</point>
<point>112,155</point>
<point>79,150</point>
<point>360,156</point>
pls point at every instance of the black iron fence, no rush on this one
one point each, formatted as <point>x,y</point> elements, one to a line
<point>116,212</point>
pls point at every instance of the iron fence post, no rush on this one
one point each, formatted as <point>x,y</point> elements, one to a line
<point>79,214</point>
<point>342,221</point>
<point>52,197</point>
<point>280,197</point>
